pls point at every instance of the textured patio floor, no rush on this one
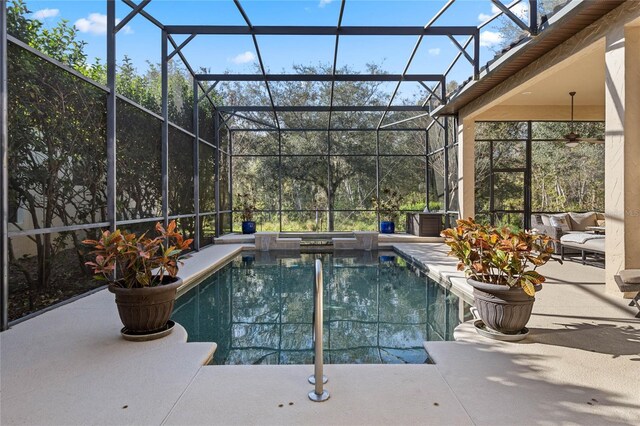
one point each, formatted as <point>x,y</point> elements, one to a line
<point>580,365</point>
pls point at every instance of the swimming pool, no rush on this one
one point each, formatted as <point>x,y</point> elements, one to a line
<point>378,308</point>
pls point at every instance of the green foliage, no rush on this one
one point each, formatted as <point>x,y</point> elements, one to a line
<point>129,261</point>
<point>59,42</point>
<point>246,204</point>
<point>435,206</point>
<point>317,180</point>
<point>57,140</point>
<point>563,178</point>
<point>388,205</point>
<point>499,256</point>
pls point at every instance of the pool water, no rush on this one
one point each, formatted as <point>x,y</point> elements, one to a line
<point>377,309</point>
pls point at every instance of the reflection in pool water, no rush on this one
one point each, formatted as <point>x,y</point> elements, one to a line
<point>378,309</point>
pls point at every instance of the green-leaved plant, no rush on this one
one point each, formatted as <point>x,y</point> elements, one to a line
<point>129,261</point>
<point>246,204</point>
<point>388,205</point>
<point>499,256</point>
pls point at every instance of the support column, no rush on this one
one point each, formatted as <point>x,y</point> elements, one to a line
<point>446,206</point>
<point>426,169</point>
<point>111,114</point>
<point>280,181</point>
<point>4,175</point>
<point>466,167</point>
<point>196,167</point>
<point>378,178</point>
<point>230,158</point>
<point>622,152</point>
<point>216,142</point>
<point>165,129</point>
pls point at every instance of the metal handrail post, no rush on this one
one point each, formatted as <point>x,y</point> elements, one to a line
<point>318,379</point>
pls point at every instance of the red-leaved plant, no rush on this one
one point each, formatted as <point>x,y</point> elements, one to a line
<point>128,261</point>
<point>499,256</point>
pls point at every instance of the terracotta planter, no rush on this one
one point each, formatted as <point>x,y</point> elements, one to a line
<point>146,310</point>
<point>502,308</point>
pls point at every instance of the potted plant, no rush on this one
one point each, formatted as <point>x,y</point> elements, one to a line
<point>142,273</point>
<point>245,201</point>
<point>388,207</point>
<point>501,266</point>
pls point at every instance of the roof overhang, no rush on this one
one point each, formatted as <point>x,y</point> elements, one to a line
<point>573,18</point>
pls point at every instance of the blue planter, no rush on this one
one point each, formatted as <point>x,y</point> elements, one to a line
<point>387,227</point>
<point>248,227</point>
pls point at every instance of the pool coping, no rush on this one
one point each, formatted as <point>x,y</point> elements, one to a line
<point>70,365</point>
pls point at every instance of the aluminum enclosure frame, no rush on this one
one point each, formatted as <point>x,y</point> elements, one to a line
<point>171,49</point>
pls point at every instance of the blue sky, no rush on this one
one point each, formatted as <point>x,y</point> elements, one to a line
<point>141,40</point>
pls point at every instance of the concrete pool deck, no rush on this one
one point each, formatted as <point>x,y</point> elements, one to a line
<point>580,365</point>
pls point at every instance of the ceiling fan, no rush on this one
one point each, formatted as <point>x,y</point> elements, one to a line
<point>572,138</point>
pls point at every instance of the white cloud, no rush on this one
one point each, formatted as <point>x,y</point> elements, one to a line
<point>435,51</point>
<point>43,14</point>
<point>323,3</point>
<point>490,38</point>
<point>521,10</point>
<point>96,23</point>
<point>243,58</point>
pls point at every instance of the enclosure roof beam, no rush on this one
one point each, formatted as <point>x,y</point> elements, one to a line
<point>320,77</point>
<point>262,68</point>
<point>333,129</point>
<point>253,120</point>
<point>158,24</point>
<point>498,14</point>
<point>182,45</point>
<point>193,74</point>
<point>131,15</point>
<point>335,62</point>
<point>448,70</point>
<point>149,18</point>
<point>209,90</point>
<point>511,15</point>
<point>464,47</point>
<point>324,108</point>
<point>431,91</point>
<point>320,30</point>
<point>413,54</point>
<point>462,50</point>
<point>386,126</point>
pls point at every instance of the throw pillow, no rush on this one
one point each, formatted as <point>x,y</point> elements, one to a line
<point>580,221</point>
<point>560,222</point>
<point>545,219</point>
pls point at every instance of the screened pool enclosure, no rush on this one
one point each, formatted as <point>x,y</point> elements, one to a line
<point>313,147</point>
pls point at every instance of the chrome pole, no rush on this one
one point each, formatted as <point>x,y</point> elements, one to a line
<point>318,379</point>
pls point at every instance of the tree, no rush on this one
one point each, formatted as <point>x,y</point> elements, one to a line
<point>57,143</point>
<point>337,170</point>
<point>56,138</point>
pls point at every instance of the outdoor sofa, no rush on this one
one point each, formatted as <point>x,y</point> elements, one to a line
<point>573,230</point>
